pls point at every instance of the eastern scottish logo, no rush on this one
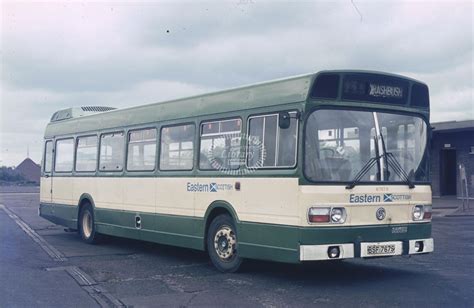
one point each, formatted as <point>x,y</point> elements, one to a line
<point>365,198</point>
<point>380,214</point>
<point>208,187</point>
<point>387,198</point>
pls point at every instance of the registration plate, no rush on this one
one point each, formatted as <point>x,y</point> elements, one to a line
<point>381,250</point>
<point>371,249</point>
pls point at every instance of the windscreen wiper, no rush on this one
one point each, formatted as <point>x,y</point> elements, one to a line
<point>368,165</point>
<point>393,162</point>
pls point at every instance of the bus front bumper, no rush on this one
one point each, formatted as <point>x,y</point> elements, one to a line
<point>365,249</point>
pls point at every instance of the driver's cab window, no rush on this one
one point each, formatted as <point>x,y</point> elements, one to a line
<point>269,145</point>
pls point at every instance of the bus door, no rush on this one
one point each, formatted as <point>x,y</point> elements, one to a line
<point>47,178</point>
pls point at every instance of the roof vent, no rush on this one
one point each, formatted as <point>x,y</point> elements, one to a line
<point>76,112</point>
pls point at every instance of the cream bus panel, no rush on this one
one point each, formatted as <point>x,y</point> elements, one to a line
<point>63,190</point>
<point>139,194</point>
<point>84,185</point>
<point>224,191</point>
<point>362,202</point>
<point>109,192</point>
<point>264,200</point>
<point>270,200</point>
<point>172,197</point>
<point>45,189</point>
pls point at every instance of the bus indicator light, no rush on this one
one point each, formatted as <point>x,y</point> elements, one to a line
<point>319,214</point>
<point>422,212</point>
<point>427,210</point>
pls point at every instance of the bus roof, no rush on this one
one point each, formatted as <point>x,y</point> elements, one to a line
<point>265,94</point>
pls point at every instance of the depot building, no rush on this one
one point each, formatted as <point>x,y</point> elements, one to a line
<point>452,145</point>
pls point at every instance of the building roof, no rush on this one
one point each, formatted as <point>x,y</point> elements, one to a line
<point>452,126</point>
<point>29,170</point>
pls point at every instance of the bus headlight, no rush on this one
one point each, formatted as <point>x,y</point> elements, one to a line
<point>418,212</point>
<point>338,215</point>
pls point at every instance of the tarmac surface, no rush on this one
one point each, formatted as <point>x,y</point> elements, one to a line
<point>41,265</point>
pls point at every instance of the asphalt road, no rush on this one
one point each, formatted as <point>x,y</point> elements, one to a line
<point>42,265</point>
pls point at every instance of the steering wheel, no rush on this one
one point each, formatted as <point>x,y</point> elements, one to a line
<point>330,152</point>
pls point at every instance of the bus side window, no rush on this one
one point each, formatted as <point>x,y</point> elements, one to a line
<point>141,150</point>
<point>64,155</point>
<point>270,146</point>
<point>220,145</point>
<point>86,154</point>
<point>177,147</point>
<point>111,152</point>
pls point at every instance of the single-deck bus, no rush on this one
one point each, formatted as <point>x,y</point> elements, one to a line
<point>325,166</point>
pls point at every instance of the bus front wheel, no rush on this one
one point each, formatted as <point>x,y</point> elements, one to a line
<point>222,244</point>
<point>87,228</point>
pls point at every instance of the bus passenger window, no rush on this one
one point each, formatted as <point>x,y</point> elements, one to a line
<point>269,146</point>
<point>86,154</point>
<point>111,152</point>
<point>64,155</point>
<point>141,150</point>
<point>177,147</point>
<point>220,145</point>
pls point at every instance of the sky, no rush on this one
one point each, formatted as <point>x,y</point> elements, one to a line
<point>56,55</point>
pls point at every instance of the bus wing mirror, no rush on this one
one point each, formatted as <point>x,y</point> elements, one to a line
<point>284,120</point>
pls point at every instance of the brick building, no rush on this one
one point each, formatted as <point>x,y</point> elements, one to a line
<point>29,170</point>
<point>452,144</point>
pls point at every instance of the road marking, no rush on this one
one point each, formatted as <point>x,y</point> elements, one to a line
<point>101,296</point>
<point>86,282</point>
<point>55,254</point>
<point>79,276</point>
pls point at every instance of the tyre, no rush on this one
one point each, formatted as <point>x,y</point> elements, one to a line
<point>87,228</point>
<point>222,244</point>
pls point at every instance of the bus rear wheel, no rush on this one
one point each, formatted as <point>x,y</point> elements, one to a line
<point>222,244</point>
<point>87,228</point>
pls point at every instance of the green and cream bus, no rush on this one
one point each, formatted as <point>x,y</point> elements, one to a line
<point>325,166</point>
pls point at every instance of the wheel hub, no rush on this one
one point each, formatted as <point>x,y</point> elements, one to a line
<point>87,224</point>
<point>224,243</point>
